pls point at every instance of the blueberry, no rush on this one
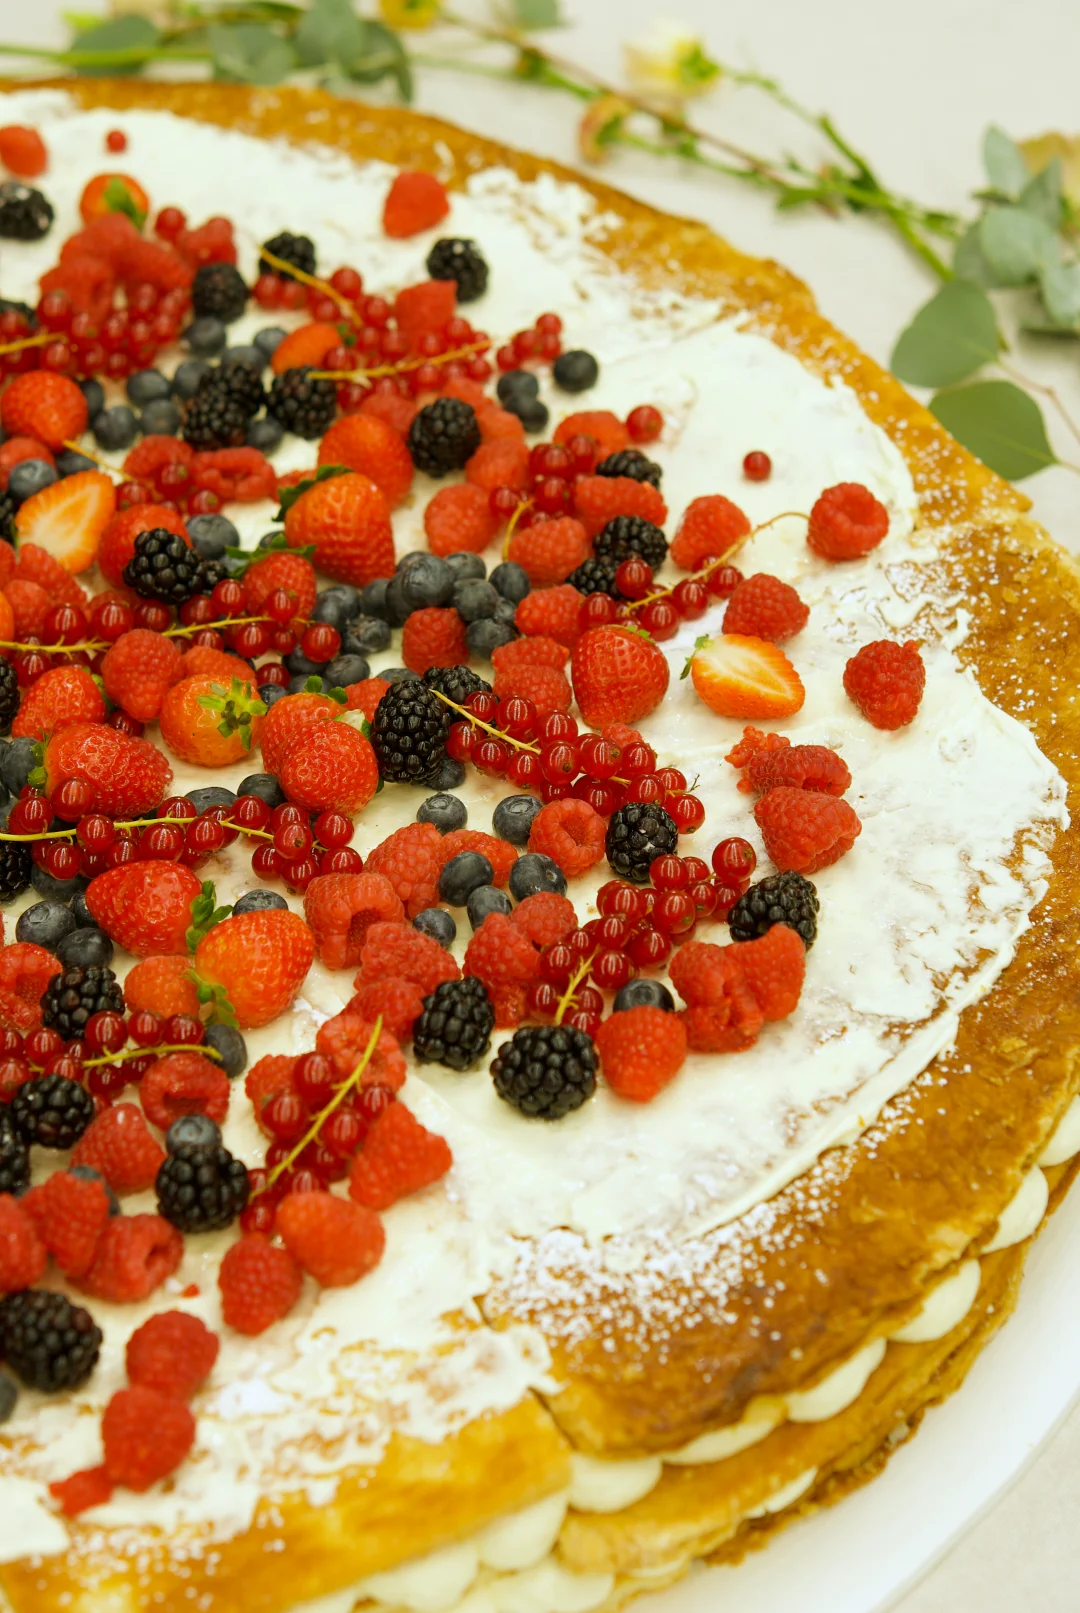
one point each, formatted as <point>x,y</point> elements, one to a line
<point>346,669</point>
<point>446,812</point>
<point>302,666</point>
<point>438,923</point>
<point>29,476</point>
<point>642,993</point>
<point>517,384</point>
<point>396,608</point>
<point>269,540</point>
<point>160,418</point>
<point>259,901</point>
<point>575,371</point>
<point>269,339</point>
<point>146,385</point>
<point>94,393</point>
<point>474,600</point>
<point>61,889</point>
<point>373,599</point>
<point>399,674</point>
<point>533,414</point>
<point>230,1045</point>
<point>410,558</point>
<point>17,761</point>
<point>84,948</point>
<point>504,612</point>
<point>513,817</point>
<point>344,597</point>
<point>265,786</point>
<point>483,637</point>
<point>87,1173</point>
<point>511,581</point>
<point>197,1131</point>
<point>464,564</point>
<point>450,774</point>
<point>9,1394</point>
<point>185,383</point>
<point>246,353</point>
<point>71,463</point>
<point>534,872</point>
<point>45,924</point>
<point>365,635</point>
<point>115,428</point>
<point>462,875</point>
<point>206,338</point>
<point>265,434</point>
<point>80,912</point>
<point>212,535</point>
<point>428,581</point>
<point>329,608</point>
<point>485,900</point>
<point>210,795</point>
<point>269,692</point>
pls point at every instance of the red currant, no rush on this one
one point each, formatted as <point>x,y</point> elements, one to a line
<point>314,1078</point>
<point>734,861</point>
<point>757,466</point>
<point>645,423</point>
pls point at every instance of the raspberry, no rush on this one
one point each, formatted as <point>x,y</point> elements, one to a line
<point>459,518</point>
<point>411,859</point>
<point>501,955</point>
<point>641,1050</point>
<point>433,636</point>
<point>365,695</point>
<point>70,1216</point>
<point>549,551</point>
<point>502,463</point>
<point>267,1077</point>
<point>552,612</point>
<point>398,952</point>
<point>335,1241</point>
<point>497,425</point>
<point>341,908</point>
<point>139,670</point>
<point>470,392</point>
<point>184,1084</point>
<point>171,1353</point>
<point>764,607</point>
<point>399,1001</point>
<point>500,853</point>
<point>803,767</point>
<point>23,1256</point>
<point>119,1144</point>
<point>699,972</point>
<point>599,499</point>
<point>87,281</point>
<point>424,309</point>
<point>90,1488</point>
<point>236,475</point>
<point>25,971</point>
<point>146,1435</point>
<point>546,686</point>
<point>344,1039</point>
<point>773,966</point>
<point>709,528</point>
<point>537,650</point>
<point>571,833</point>
<point>363,443</point>
<point>722,1013</point>
<point>545,918</point>
<point>886,682</point>
<point>399,1157</point>
<point>35,564</point>
<point>398,412</point>
<point>804,830</point>
<point>29,605</point>
<point>416,201</point>
<point>163,985</point>
<point>605,428</point>
<point>280,570</point>
<point>135,1255</point>
<point>153,453</point>
<point>259,1284</point>
<point>846,522</point>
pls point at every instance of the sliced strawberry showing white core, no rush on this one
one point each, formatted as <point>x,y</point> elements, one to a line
<point>740,676</point>
<point>69,517</point>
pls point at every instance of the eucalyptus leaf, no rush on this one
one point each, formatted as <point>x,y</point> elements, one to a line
<point>124,36</point>
<point>535,13</point>
<point>1060,288</point>
<point>383,56</point>
<point>1042,194</point>
<point>999,424</point>
<point>1017,245</point>
<point>1004,162</point>
<point>949,339</point>
<point>969,260</point>
<point>250,53</point>
<point>330,31</point>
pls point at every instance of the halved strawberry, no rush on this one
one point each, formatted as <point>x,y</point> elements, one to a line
<point>740,676</point>
<point>69,517</point>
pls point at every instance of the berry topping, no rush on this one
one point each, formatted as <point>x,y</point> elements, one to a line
<point>846,522</point>
<point>618,675</point>
<point>335,1241</point>
<point>545,1071</point>
<point>260,1283</point>
<point>397,951</point>
<point>164,566</point>
<point>70,1213</point>
<point>764,607</point>
<point>409,733</point>
<point>257,961</point>
<point>25,214</point>
<point>303,405</point>
<point>298,250</point>
<point>146,1435</point>
<point>49,1342</point>
<point>184,1084</point>
<point>415,201</point>
<point>456,1024</point>
<point>135,1255</point>
<point>710,528</point>
<point>14,1157</point>
<point>886,682</point>
<point>173,1353</point>
<point>121,1146</point>
<point>786,898</point>
<point>641,1050</point>
<point>804,830</point>
<point>627,535</point>
<point>631,462</point>
<point>571,833</point>
<point>23,1255</point>
<point>145,906</point>
<point>341,908</point>
<point>399,1157</point>
<point>218,291</point>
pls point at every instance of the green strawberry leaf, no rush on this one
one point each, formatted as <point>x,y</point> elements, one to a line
<point>221,1009</point>
<point>699,644</point>
<point>236,707</point>
<point>347,334</point>
<point>289,495</point>
<point>365,729</point>
<point>118,199</point>
<point>279,545</point>
<point>205,913</point>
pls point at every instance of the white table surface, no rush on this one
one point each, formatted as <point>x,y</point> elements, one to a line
<point>912,85</point>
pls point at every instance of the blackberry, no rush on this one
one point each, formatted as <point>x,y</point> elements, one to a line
<point>8,506</point>
<point>637,834</point>
<point>545,1071</point>
<point>215,418</point>
<point>201,1188</point>
<point>457,683</point>
<point>633,463</point>
<point>456,1024</point>
<point>299,250</point>
<point>218,291</point>
<point>15,869</point>
<point>163,567</point>
<point>14,1158</point>
<point>52,1111</point>
<point>596,576</point>
<point>443,435</point>
<point>9,696</point>
<point>25,214</point>
<point>51,1343</point>
<point>239,382</point>
<point>785,898</point>
<point>304,407</point>
<point>71,997</point>
<point>625,535</point>
<point>462,262</point>
<point>409,732</point>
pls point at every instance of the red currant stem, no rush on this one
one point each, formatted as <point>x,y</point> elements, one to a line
<point>340,1094</point>
<point>707,571</point>
<point>526,504</point>
<point>89,646</point>
<point>404,365</point>
<point>291,271</point>
<point>42,338</point>
<point>188,629</point>
<point>103,464</point>
<point>572,985</point>
<point>496,733</point>
<point>155,1052</point>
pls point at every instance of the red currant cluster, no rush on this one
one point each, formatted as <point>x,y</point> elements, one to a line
<point>660,613</point>
<point>543,343</point>
<point>294,848</point>
<point>126,339</point>
<point>99,1061</point>
<point>281,632</point>
<point>171,486</point>
<point>554,468</point>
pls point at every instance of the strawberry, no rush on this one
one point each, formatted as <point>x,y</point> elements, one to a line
<point>290,717</point>
<point>415,202</point>
<point>332,768</point>
<point>118,539</point>
<point>69,518</point>
<point>23,151</point>
<point>162,983</point>
<point>210,724</point>
<point>129,776</point>
<point>203,661</point>
<point>370,447</point>
<point>309,345</point>
<point>258,961</point>
<point>145,906</point>
<point>61,696</point>
<point>139,670</point>
<point>347,519</point>
<point>740,676</point>
<point>43,405</point>
<point>114,193</point>
<point>7,618</point>
<point>35,564</point>
<point>619,675</point>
